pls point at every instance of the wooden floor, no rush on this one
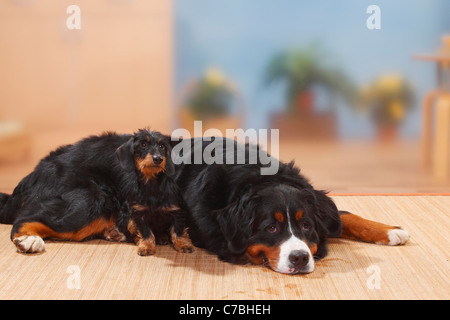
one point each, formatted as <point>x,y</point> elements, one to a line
<point>352,270</point>
<point>364,166</point>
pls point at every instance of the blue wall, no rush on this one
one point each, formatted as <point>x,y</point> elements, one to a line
<point>240,36</point>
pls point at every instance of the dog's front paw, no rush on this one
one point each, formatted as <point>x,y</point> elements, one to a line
<point>182,243</point>
<point>147,247</point>
<point>184,248</point>
<point>144,251</point>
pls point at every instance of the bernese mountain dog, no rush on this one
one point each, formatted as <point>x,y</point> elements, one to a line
<point>112,186</point>
<point>279,221</point>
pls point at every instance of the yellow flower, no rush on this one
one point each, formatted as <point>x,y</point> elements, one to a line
<point>214,77</point>
<point>390,83</point>
<point>397,110</point>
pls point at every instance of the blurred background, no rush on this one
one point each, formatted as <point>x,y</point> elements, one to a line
<point>347,98</point>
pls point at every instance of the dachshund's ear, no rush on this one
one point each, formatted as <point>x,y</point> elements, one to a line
<point>236,223</point>
<point>125,154</point>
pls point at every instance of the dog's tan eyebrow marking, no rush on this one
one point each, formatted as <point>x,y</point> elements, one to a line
<point>299,215</point>
<point>279,216</point>
<point>139,207</point>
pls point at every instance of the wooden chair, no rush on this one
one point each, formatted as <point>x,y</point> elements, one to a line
<point>436,147</point>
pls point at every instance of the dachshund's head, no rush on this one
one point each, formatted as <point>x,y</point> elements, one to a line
<point>148,152</point>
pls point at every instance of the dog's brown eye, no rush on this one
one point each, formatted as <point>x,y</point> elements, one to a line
<point>305,226</point>
<point>162,147</point>
<point>143,144</point>
<point>272,229</point>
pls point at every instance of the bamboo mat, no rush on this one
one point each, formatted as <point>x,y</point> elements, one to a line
<point>102,270</point>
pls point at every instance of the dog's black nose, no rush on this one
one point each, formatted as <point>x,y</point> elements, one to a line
<point>157,159</point>
<point>299,258</point>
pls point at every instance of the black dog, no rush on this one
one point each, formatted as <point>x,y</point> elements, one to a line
<point>112,186</point>
<point>279,220</point>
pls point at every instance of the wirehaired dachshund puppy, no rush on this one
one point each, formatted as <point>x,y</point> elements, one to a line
<point>112,186</point>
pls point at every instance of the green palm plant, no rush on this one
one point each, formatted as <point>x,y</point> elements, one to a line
<point>212,95</point>
<point>301,70</point>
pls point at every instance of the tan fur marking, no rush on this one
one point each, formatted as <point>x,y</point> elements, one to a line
<point>272,254</point>
<point>181,243</point>
<point>147,246</point>
<point>279,217</point>
<point>97,226</point>
<point>113,234</point>
<point>139,207</point>
<point>148,168</point>
<point>313,248</point>
<point>171,208</point>
<point>132,227</point>
<point>357,228</point>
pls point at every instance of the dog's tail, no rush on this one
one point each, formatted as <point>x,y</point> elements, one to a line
<point>7,216</point>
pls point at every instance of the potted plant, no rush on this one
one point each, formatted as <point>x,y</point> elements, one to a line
<point>212,99</point>
<point>301,71</point>
<point>387,99</point>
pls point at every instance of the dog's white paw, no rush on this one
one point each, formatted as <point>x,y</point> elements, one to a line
<point>29,244</point>
<point>397,237</point>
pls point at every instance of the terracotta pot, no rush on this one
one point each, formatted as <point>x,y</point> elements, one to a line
<point>305,102</point>
<point>220,122</point>
<point>387,133</point>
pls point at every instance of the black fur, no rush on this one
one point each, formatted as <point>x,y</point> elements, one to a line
<point>98,179</point>
<point>232,205</point>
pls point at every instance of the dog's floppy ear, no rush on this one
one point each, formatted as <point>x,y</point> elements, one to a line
<point>236,223</point>
<point>328,213</point>
<point>125,154</point>
<point>325,210</point>
<point>328,222</point>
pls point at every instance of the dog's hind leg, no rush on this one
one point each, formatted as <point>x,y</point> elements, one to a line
<point>113,234</point>
<point>31,227</point>
<point>72,216</point>
<point>29,244</point>
<point>28,237</point>
<point>356,228</point>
